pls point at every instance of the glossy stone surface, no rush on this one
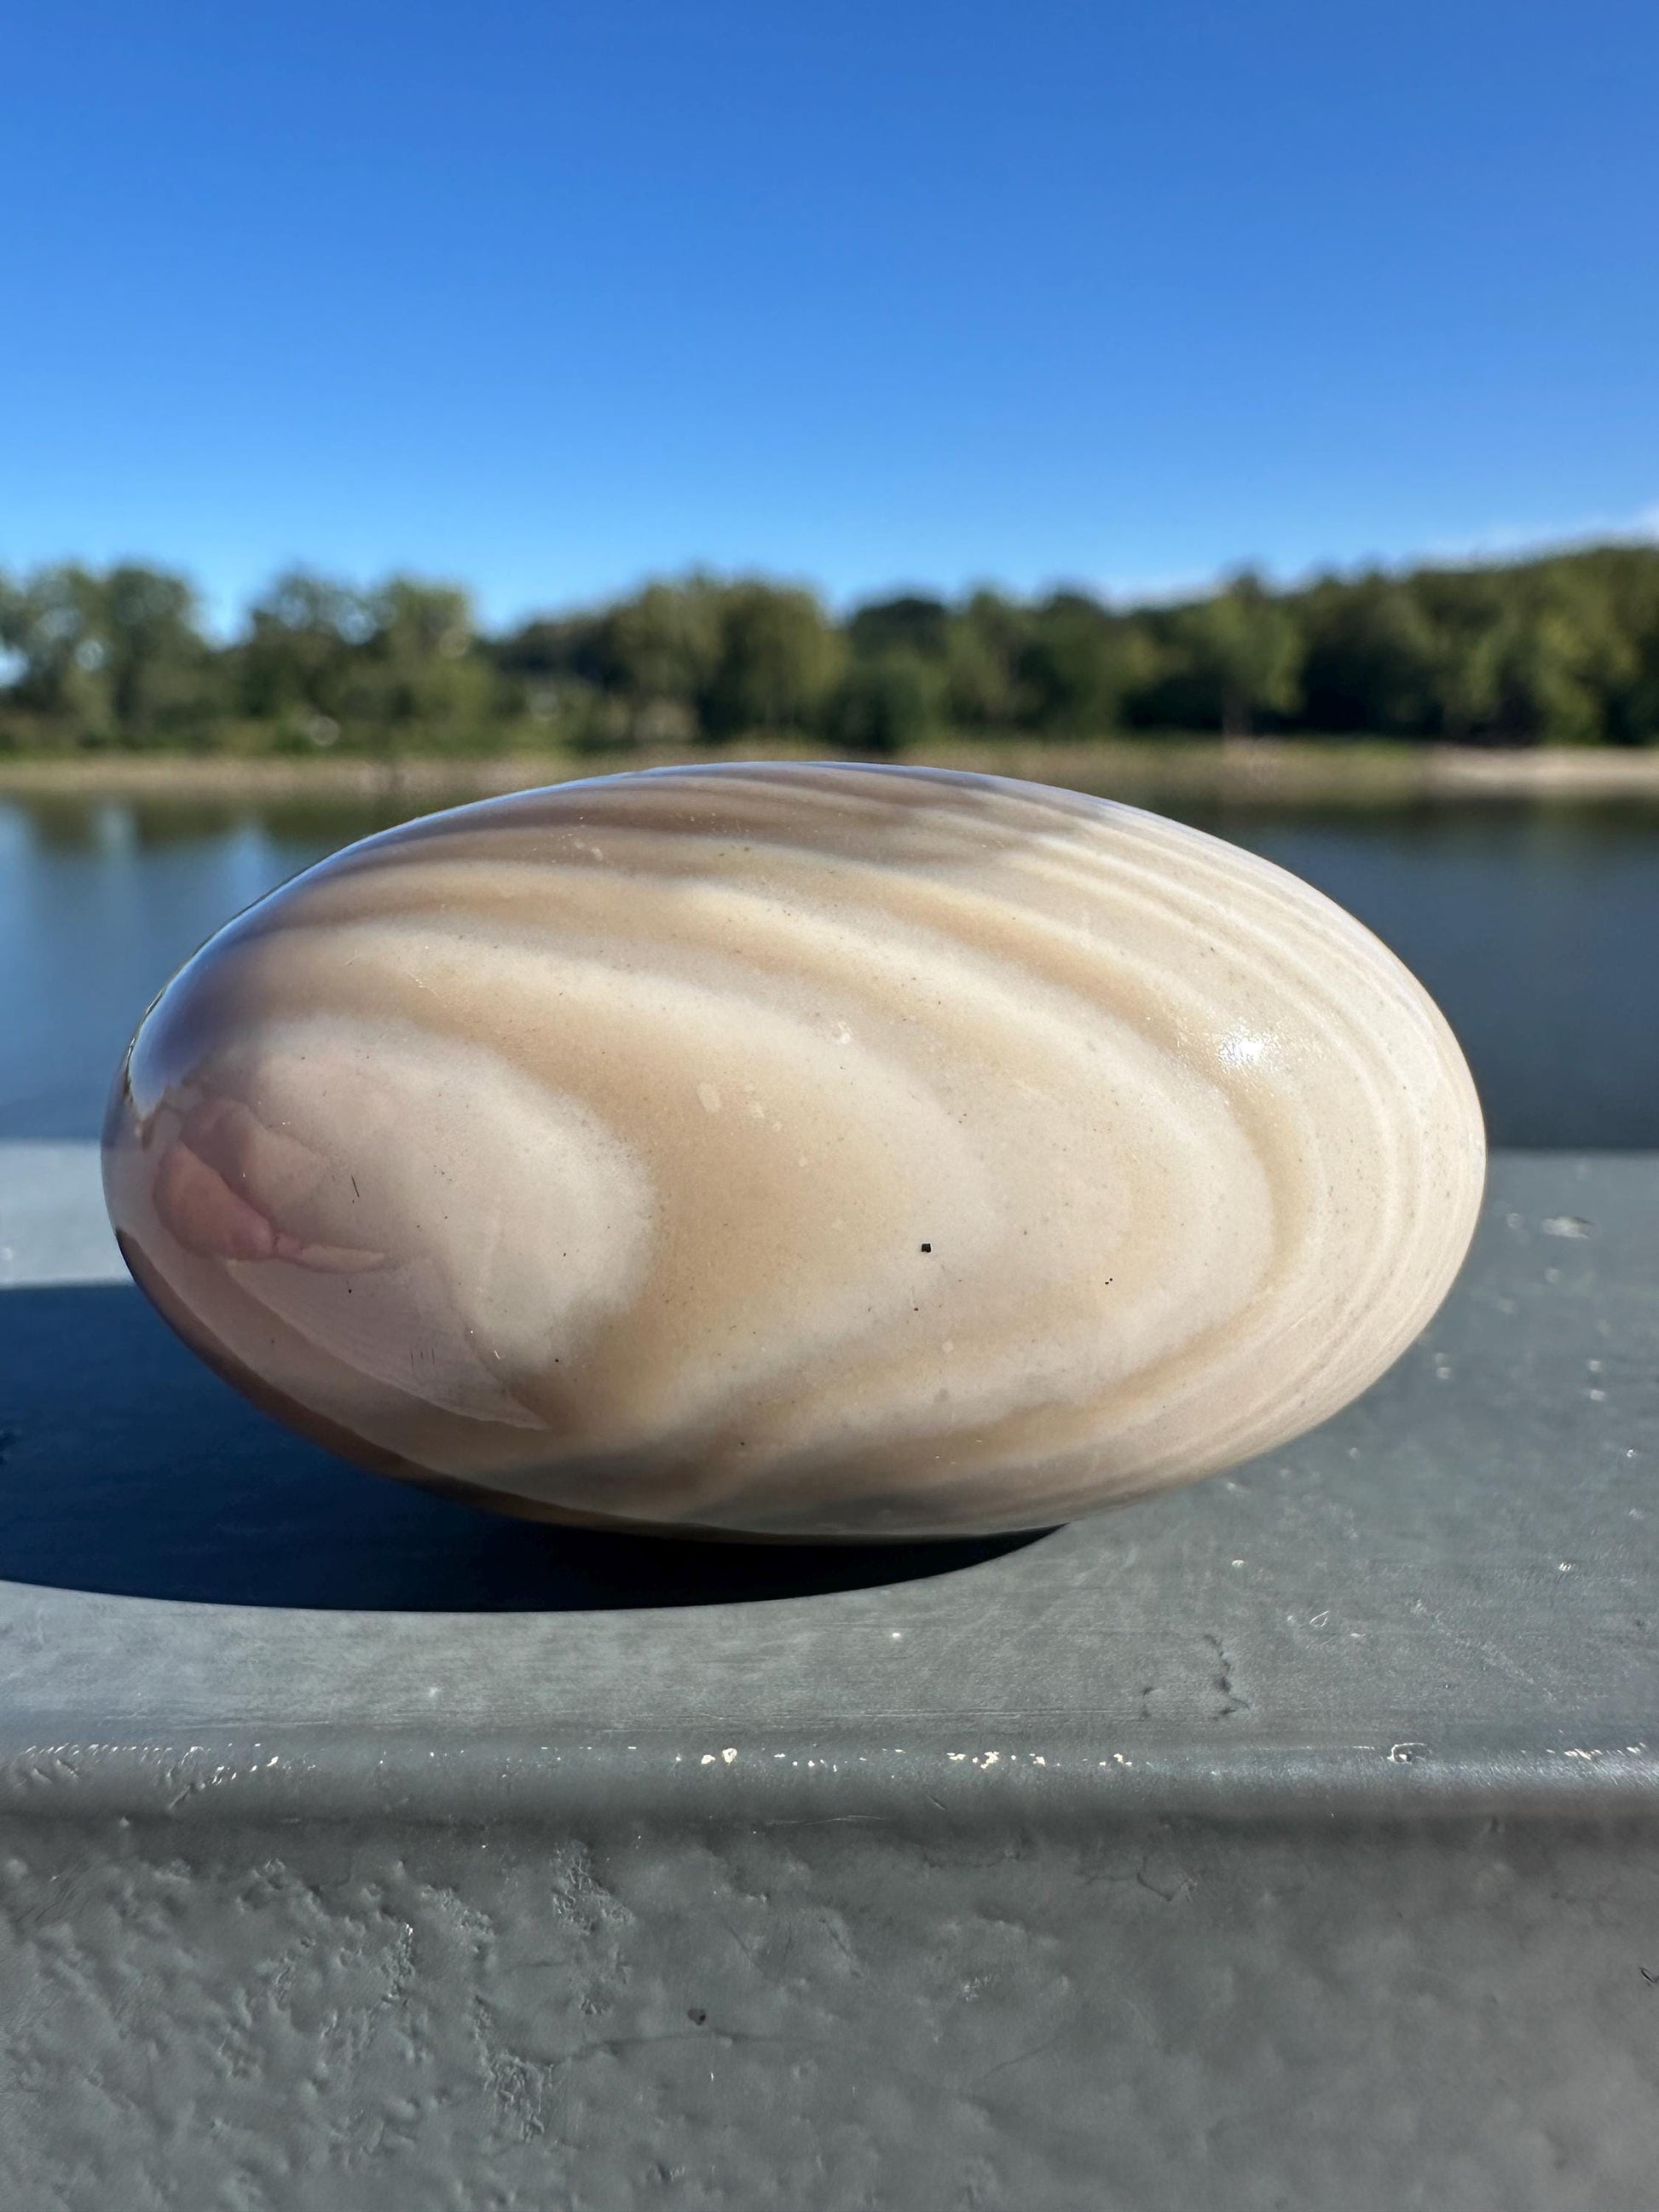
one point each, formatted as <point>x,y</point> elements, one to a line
<point>797,1152</point>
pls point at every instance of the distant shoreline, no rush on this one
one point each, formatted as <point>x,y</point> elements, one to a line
<point>1262,770</point>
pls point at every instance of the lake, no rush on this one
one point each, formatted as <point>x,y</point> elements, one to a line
<point>1535,926</point>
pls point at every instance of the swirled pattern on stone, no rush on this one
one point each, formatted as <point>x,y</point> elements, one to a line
<point>825,1151</point>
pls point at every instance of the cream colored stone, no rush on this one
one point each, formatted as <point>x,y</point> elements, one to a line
<point>796,1150</point>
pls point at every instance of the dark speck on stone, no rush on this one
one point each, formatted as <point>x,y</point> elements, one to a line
<point>927,1248</point>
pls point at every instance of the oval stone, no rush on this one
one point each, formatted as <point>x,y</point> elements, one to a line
<point>801,1151</point>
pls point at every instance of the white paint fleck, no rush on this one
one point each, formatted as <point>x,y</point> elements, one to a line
<point>710,1098</point>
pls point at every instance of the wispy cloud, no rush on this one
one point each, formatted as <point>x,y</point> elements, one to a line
<point>1504,540</point>
<point>1160,591</point>
<point>1496,542</point>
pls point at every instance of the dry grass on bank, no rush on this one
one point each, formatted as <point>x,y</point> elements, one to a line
<point>1260,769</point>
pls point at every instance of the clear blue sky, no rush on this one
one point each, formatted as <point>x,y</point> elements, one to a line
<point>552,297</point>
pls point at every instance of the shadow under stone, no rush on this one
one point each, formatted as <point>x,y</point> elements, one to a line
<point>127,1467</point>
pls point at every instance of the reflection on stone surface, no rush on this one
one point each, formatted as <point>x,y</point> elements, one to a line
<point>802,1152</point>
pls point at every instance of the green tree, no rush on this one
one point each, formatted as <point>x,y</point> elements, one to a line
<point>415,680</point>
<point>911,623</point>
<point>297,662</point>
<point>779,660</point>
<point>51,623</point>
<point>886,702</point>
<point>1561,650</point>
<point>161,680</point>
<point>1627,576</point>
<point>1078,665</point>
<point>1372,659</point>
<point>549,669</point>
<point>1238,657</point>
<point>1534,653</point>
<point>1542,673</point>
<point>983,649</point>
<point>660,653</point>
<point>116,656</point>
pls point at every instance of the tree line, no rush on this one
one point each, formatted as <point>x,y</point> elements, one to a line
<point>1557,649</point>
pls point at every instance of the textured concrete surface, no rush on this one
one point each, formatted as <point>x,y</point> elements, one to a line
<point>1152,2014</point>
<point>1289,1842</point>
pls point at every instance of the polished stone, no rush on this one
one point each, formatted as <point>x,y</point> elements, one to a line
<point>798,1152</point>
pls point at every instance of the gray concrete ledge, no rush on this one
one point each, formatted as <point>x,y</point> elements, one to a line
<point>952,1781</point>
<point>1465,1559</point>
<point>1289,1844</point>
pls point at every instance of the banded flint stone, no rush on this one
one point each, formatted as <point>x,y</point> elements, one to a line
<point>801,1151</point>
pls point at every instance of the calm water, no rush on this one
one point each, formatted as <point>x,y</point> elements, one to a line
<point>1536,928</point>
